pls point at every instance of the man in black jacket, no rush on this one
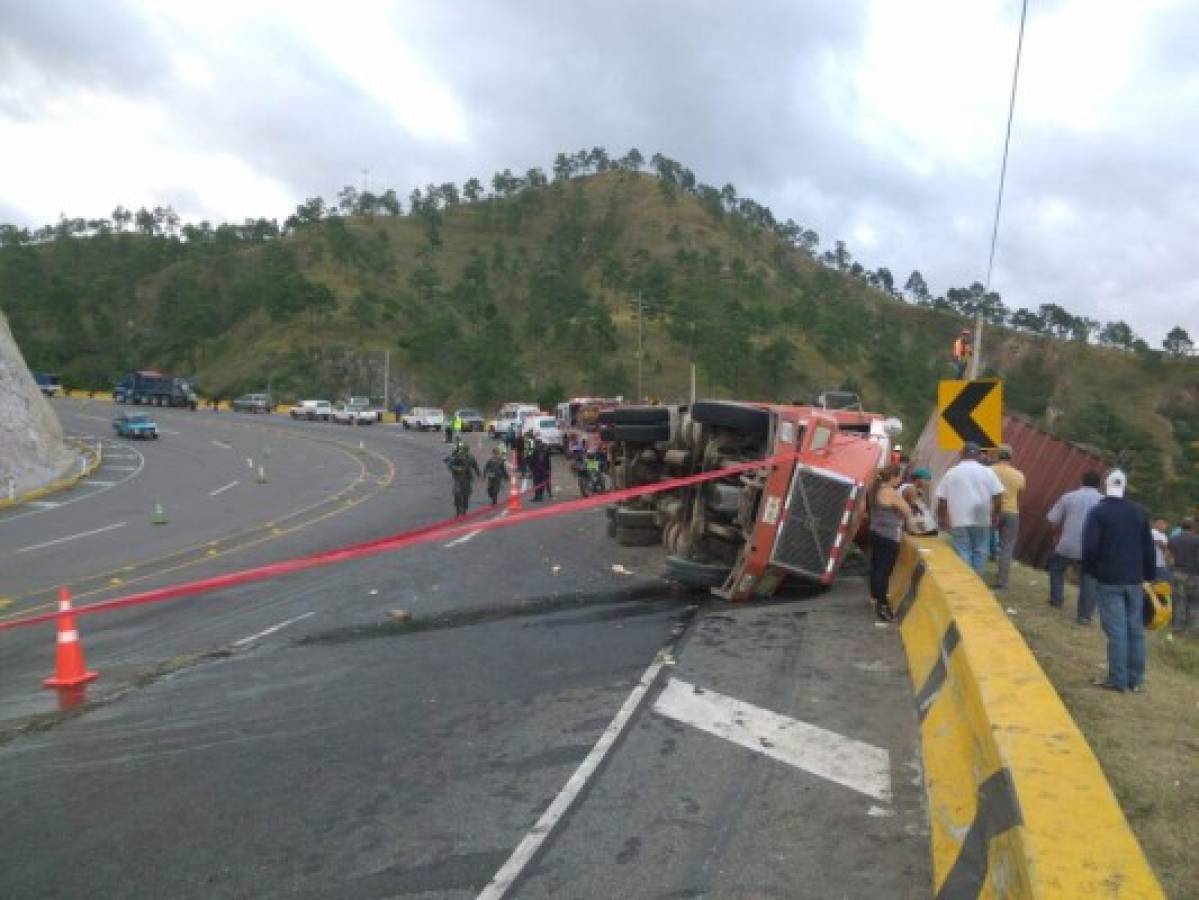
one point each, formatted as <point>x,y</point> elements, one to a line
<point>1118,552</point>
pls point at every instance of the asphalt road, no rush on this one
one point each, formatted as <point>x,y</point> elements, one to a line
<point>288,738</point>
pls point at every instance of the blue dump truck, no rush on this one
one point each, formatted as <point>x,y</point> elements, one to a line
<point>150,388</point>
<point>48,383</point>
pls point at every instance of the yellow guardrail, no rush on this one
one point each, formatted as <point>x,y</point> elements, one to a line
<point>90,457</point>
<point>1018,805</point>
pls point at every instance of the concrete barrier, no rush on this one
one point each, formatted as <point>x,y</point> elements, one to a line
<point>1018,805</point>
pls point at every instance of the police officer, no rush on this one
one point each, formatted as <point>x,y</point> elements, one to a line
<point>464,469</point>
<point>539,469</point>
<point>495,472</point>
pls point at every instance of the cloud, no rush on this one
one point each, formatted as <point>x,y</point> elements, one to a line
<point>876,122</point>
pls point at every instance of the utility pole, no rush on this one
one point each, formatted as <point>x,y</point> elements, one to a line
<point>691,358</point>
<point>640,342</point>
<point>386,379</point>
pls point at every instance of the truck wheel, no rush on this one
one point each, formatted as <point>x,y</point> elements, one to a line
<point>696,574</point>
<point>734,416</point>
<point>641,434</point>
<point>638,537</point>
<point>632,519</point>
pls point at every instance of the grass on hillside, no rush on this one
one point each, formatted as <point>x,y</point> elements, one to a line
<point>1147,744</point>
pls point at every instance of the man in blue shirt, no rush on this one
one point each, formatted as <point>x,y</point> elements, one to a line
<point>1118,552</point>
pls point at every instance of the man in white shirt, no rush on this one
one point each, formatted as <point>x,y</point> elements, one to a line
<point>969,502</point>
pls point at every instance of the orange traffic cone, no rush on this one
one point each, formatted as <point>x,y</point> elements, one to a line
<point>69,670</point>
<point>513,489</point>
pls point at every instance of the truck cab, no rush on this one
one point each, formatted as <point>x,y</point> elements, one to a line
<point>789,511</point>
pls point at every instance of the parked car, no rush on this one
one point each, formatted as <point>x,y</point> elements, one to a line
<point>545,427</point>
<point>472,419</point>
<point>135,425</point>
<point>253,403</point>
<point>351,413</point>
<point>313,410</point>
<point>423,418</point>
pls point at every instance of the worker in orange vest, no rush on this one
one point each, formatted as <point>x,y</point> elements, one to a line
<point>963,349</point>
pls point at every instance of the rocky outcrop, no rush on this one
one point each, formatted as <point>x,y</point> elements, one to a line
<point>32,449</point>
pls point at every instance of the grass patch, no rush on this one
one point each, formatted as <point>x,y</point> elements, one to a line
<point>1147,744</point>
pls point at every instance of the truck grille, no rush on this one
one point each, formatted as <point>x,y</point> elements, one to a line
<point>818,509</point>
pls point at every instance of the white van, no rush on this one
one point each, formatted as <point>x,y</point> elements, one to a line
<point>423,418</point>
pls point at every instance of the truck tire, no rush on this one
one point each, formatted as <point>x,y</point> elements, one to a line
<point>696,574</point>
<point>638,537</point>
<point>734,416</point>
<point>637,415</point>
<point>634,519</point>
<point>641,434</point>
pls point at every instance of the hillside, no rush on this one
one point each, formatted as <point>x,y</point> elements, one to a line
<point>530,292</point>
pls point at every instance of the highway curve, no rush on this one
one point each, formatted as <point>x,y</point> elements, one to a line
<point>288,738</point>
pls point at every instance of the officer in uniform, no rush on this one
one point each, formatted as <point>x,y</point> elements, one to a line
<point>464,469</point>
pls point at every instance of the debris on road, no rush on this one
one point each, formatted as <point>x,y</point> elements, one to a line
<point>618,569</point>
<point>399,615</point>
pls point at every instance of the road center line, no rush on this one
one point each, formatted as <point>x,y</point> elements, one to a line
<point>72,537</point>
<point>466,537</point>
<point>222,490</point>
<point>241,642</point>
<point>527,848</point>
<point>854,764</point>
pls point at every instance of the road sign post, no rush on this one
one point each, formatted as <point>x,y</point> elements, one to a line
<point>969,411</point>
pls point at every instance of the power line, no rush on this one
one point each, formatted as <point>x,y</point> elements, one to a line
<point>976,357</point>
<point>1007,140</point>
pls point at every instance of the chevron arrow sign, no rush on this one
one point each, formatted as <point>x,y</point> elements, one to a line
<point>969,411</point>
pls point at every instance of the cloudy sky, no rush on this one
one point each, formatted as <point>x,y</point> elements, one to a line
<point>880,122</point>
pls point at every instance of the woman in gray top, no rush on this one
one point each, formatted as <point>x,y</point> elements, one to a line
<point>888,511</point>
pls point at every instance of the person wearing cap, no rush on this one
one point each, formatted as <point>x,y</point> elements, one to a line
<point>1184,550</point>
<point>969,499</point>
<point>963,349</point>
<point>1068,516</point>
<point>915,494</point>
<point>1009,515</point>
<point>1118,552</point>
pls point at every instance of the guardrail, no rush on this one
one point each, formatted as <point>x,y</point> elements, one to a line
<point>1018,805</point>
<point>90,457</point>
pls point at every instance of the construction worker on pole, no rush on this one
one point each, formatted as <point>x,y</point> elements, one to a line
<point>464,469</point>
<point>963,351</point>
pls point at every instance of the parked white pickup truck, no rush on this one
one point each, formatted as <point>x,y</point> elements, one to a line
<point>355,411</point>
<point>312,410</point>
<point>423,418</point>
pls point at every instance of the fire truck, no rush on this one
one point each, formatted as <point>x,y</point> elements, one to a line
<point>745,535</point>
<point>578,419</point>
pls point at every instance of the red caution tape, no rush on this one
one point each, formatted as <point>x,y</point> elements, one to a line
<point>447,528</point>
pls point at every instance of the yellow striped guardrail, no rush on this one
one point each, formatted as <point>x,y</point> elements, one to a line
<point>1018,805</point>
<point>90,457</point>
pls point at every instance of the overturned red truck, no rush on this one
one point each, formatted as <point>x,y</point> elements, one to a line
<point>745,535</point>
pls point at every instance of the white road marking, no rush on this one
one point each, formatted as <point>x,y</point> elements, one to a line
<point>168,431</point>
<point>222,444</point>
<point>222,490</point>
<point>124,468</point>
<point>72,537</point>
<point>42,504</point>
<point>527,848</point>
<point>466,537</point>
<point>269,631</point>
<point>83,495</point>
<point>854,764</point>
